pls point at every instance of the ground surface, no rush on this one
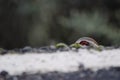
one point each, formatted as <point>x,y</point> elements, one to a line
<point>44,64</point>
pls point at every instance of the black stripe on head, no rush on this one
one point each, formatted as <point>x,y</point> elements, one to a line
<point>84,43</point>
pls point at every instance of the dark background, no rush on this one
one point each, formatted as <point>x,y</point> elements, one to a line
<point>38,23</point>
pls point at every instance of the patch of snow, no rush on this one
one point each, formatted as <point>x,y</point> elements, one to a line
<point>60,61</point>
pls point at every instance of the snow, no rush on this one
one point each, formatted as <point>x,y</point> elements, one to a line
<point>68,61</point>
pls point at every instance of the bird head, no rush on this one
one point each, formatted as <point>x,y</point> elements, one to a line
<point>87,42</point>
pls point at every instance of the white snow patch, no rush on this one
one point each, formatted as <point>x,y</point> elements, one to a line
<point>59,61</point>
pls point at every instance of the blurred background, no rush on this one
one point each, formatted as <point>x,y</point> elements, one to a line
<point>38,23</point>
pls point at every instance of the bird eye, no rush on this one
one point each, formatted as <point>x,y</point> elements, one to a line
<point>84,43</point>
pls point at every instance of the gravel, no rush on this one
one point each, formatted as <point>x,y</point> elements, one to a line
<point>112,73</point>
<point>49,63</point>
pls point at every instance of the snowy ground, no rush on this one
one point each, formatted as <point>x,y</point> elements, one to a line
<point>68,61</point>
